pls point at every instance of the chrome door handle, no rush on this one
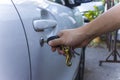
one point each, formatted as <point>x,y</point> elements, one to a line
<point>41,25</point>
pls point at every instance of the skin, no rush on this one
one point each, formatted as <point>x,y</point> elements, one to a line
<point>80,37</point>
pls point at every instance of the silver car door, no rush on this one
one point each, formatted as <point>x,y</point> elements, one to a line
<point>47,65</point>
<point>14,57</point>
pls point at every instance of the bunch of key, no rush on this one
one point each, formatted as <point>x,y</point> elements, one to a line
<point>68,51</point>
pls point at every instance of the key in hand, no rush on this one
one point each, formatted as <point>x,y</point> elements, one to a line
<point>68,55</point>
<point>68,51</point>
<point>65,49</point>
<point>42,41</point>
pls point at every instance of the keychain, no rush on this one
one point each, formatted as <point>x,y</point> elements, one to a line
<point>68,51</point>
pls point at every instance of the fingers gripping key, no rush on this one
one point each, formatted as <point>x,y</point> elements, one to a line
<point>65,49</point>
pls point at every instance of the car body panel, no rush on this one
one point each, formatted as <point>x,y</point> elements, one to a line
<point>45,65</point>
<point>14,60</point>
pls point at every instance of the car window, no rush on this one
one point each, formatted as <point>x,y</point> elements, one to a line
<point>57,1</point>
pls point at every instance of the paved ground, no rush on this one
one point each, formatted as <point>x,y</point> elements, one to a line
<point>108,71</point>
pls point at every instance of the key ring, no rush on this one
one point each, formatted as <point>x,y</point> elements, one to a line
<point>69,51</point>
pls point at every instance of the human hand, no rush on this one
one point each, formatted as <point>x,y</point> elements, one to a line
<point>71,37</point>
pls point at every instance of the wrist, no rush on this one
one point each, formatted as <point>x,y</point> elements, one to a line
<point>87,31</point>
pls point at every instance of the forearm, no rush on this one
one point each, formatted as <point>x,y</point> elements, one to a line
<point>108,21</point>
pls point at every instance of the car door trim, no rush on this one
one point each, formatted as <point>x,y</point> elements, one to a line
<point>30,66</point>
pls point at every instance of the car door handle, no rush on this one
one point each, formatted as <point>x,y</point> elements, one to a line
<point>41,25</point>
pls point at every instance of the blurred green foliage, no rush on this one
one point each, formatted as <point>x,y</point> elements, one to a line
<point>92,14</point>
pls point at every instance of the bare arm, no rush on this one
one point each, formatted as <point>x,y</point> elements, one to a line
<point>108,21</point>
<point>79,37</point>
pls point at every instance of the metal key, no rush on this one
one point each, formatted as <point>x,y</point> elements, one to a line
<point>68,51</point>
<point>68,55</point>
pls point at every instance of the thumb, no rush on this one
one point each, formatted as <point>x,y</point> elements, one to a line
<point>55,42</point>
